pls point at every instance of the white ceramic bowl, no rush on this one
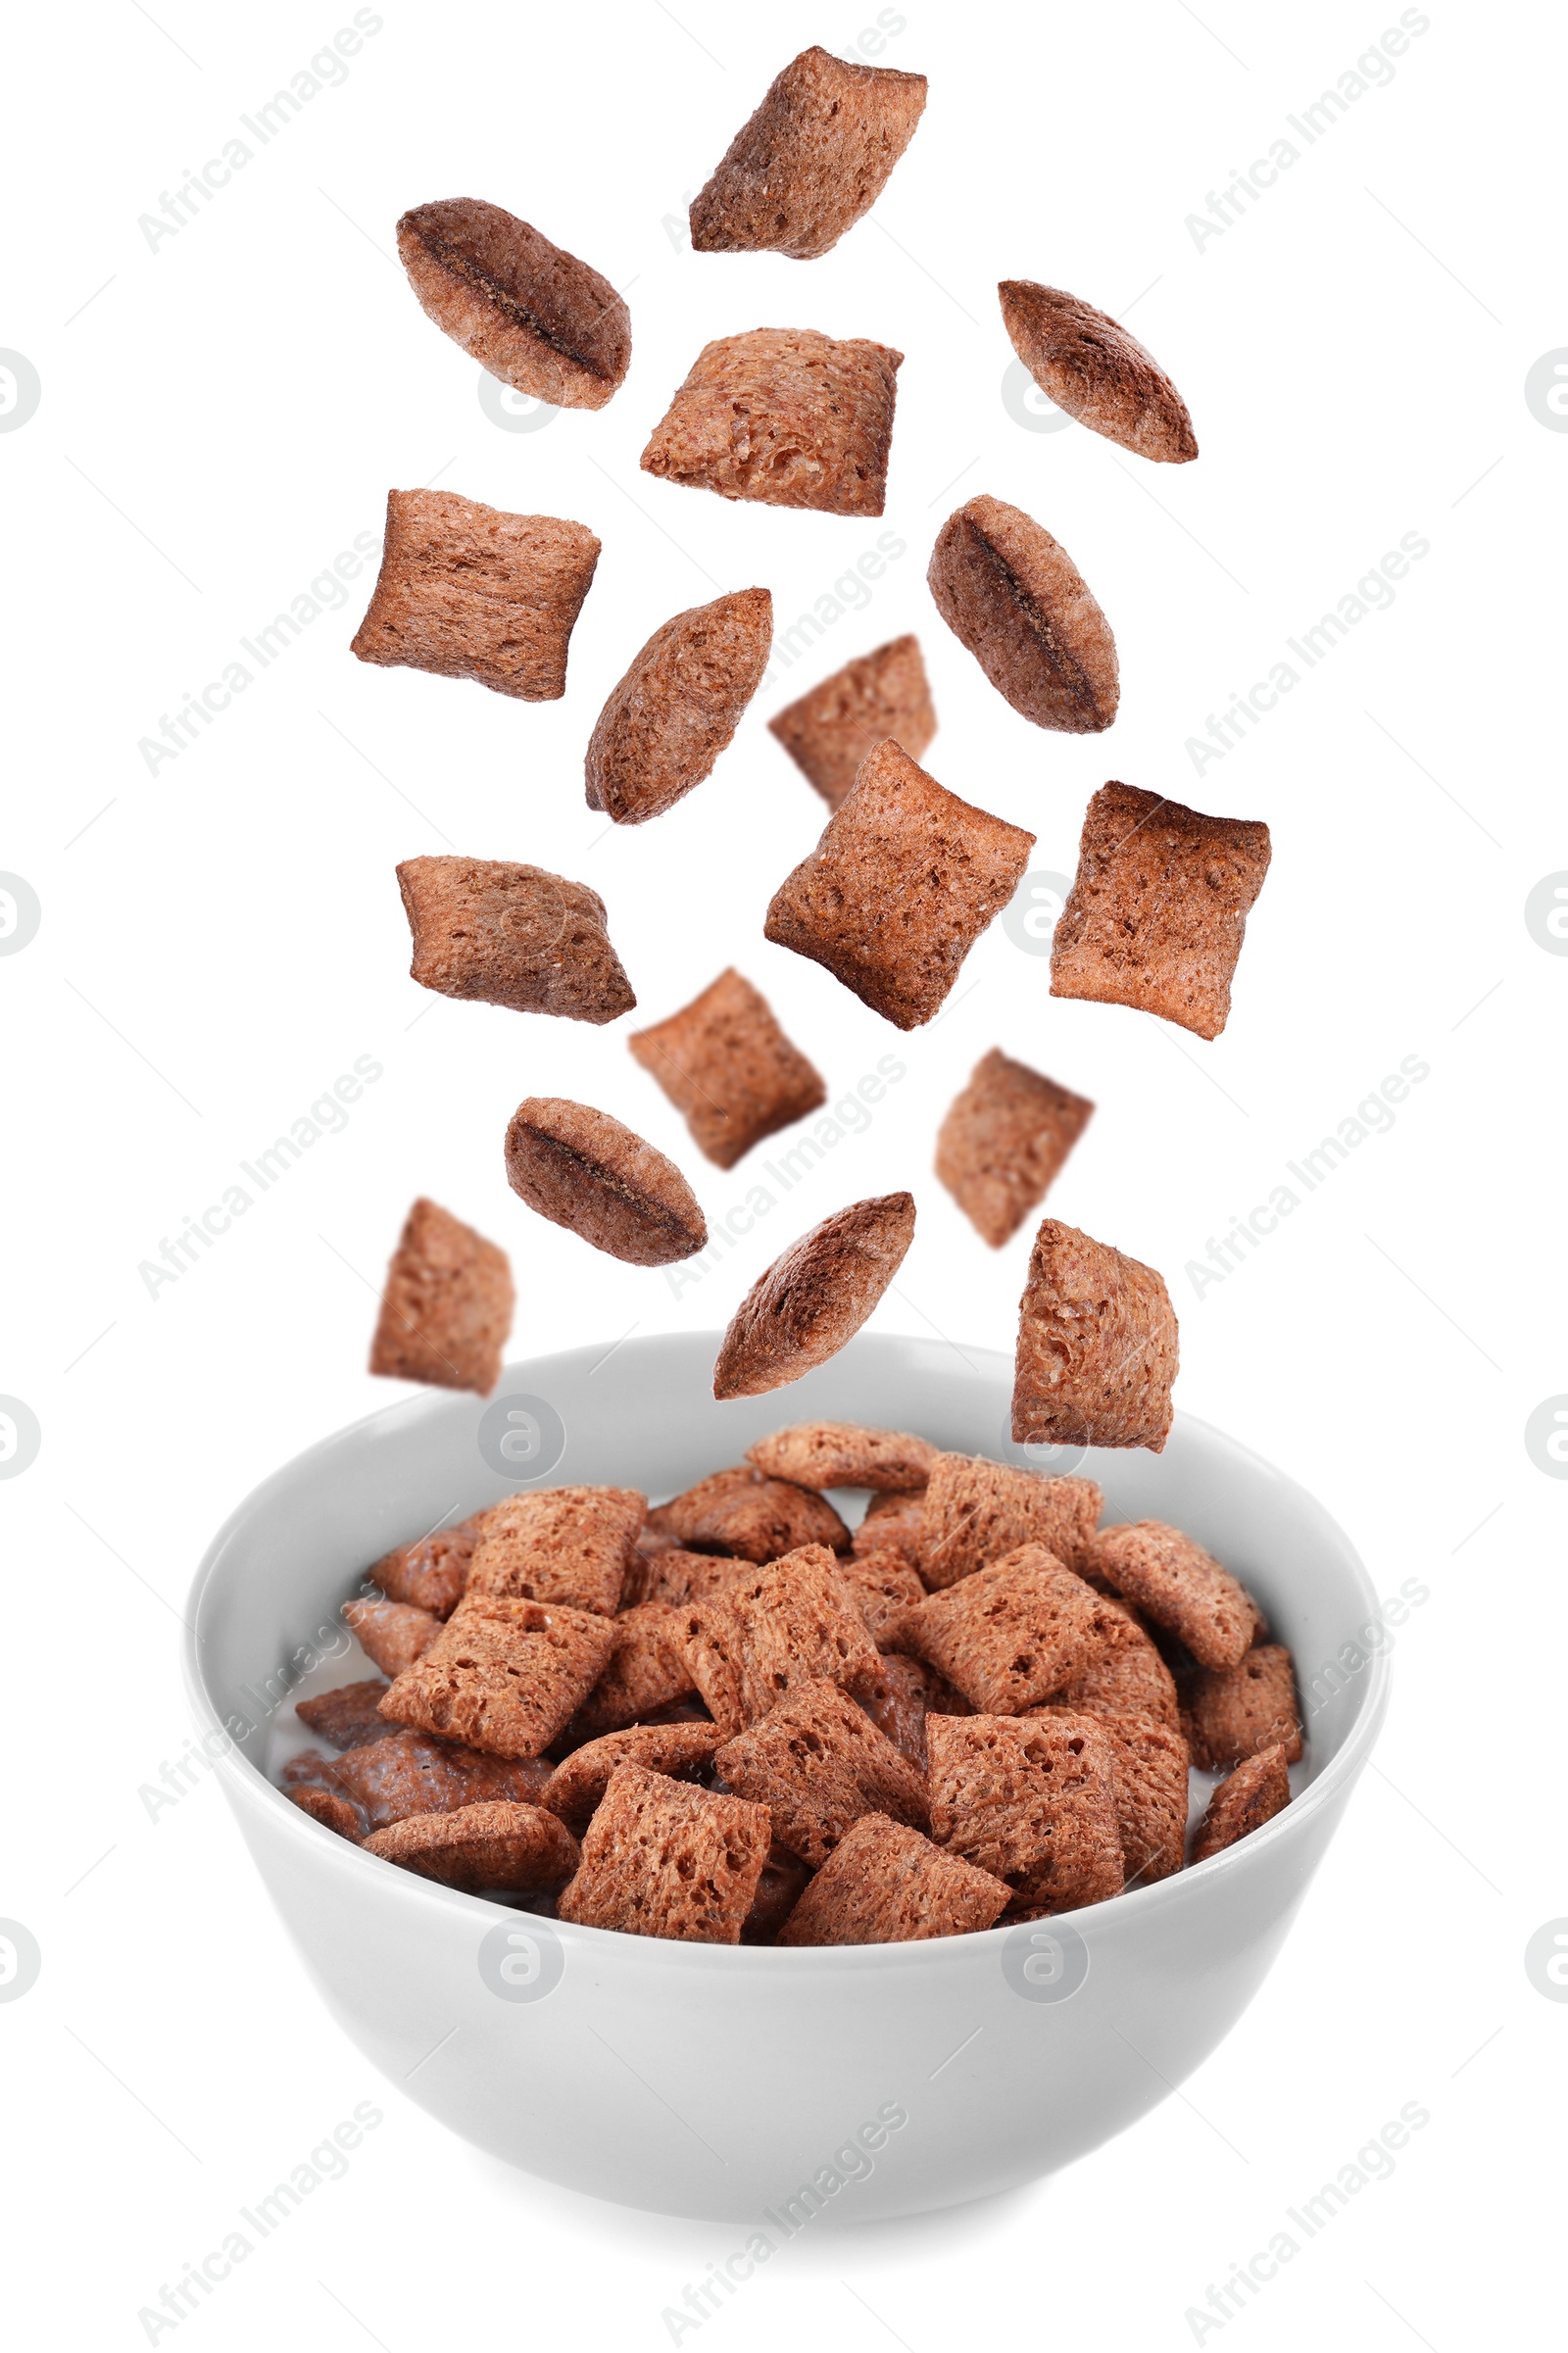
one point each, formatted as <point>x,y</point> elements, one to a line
<point>715,2080</point>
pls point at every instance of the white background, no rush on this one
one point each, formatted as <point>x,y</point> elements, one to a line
<point>220,415</point>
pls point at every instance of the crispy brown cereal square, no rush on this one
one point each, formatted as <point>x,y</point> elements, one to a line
<point>645,1672</point>
<point>390,1633</point>
<point>676,709</point>
<point>1096,1346</point>
<point>887,1885</point>
<point>1122,1674</point>
<point>488,930</point>
<point>431,1572</point>
<point>1033,1801</point>
<point>1256,1791</point>
<point>829,731</point>
<point>817,1762</point>
<point>347,1717</point>
<point>1172,1580</point>
<point>1157,910</point>
<point>502,1676</point>
<point>683,1751</point>
<point>1002,1144</point>
<point>408,1772</point>
<point>785,416</point>
<point>1148,1767</point>
<point>761,1519</point>
<point>584,1170</point>
<point>904,879</point>
<point>446,1307</point>
<point>1087,363</point>
<point>891,1524</point>
<point>823,1454</point>
<point>469,592</point>
<point>333,1812</point>
<point>492,1844</point>
<point>976,1510</point>
<point>815,1296</point>
<point>1015,599</point>
<point>883,1587</point>
<point>759,1639</point>
<point>558,1543</point>
<point>532,315</point>
<point>810,161</point>
<point>724,1061</point>
<point>1007,1635</point>
<point>662,1859</point>
<point>1230,1713</point>
<point>678,1578</point>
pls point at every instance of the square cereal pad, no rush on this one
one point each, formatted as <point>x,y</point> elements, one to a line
<point>558,1543</point>
<point>976,1510</point>
<point>904,879</point>
<point>725,1063</point>
<point>886,1884</point>
<point>758,1640</point>
<point>817,1762</point>
<point>1006,1636</point>
<point>661,1858</point>
<point>502,1676</point>
<point>1157,910</point>
<point>1033,1801</point>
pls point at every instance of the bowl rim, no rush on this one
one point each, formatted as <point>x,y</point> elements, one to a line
<point>1132,1905</point>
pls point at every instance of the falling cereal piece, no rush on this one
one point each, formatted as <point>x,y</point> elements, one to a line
<point>1096,1346</point>
<point>676,709</point>
<point>532,315</point>
<point>829,731</point>
<point>584,1170</point>
<point>814,158</point>
<point>468,591</point>
<point>447,1307</point>
<point>815,1297</point>
<point>784,416</point>
<point>1157,910</point>
<point>724,1061</point>
<point>904,879</point>
<point>1016,600</point>
<point>1088,364</point>
<point>502,934</point>
<point>1004,1142</point>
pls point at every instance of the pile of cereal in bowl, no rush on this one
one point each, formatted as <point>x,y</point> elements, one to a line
<point>732,1719</point>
